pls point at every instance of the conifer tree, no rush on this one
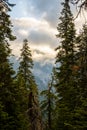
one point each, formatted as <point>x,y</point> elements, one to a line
<point>65,74</point>
<point>48,106</point>
<point>80,109</point>
<point>25,72</point>
<point>8,105</point>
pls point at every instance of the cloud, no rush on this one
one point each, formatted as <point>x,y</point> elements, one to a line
<point>15,47</point>
<point>41,53</point>
<point>50,8</point>
<point>45,53</point>
<point>39,28</point>
<point>23,32</point>
<point>39,31</point>
<point>40,35</point>
<point>38,51</point>
<point>37,20</point>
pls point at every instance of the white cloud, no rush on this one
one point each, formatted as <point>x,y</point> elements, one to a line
<point>46,53</point>
<point>40,34</point>
<point>33,23</point>
<point>43,39</point>
<point>23,32</point>
<point>23,28</point>
<point>16,46</point>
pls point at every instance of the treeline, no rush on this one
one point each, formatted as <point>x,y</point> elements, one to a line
<point>64,103</point>
<point>19,105</point>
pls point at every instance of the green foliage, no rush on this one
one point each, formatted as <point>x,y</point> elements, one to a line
<point>48,106</point>
<point>26,81</point>
<point>10,116</point>
<point>64,104</point>
<point>65,75</point>
<point>71,75</point>
<point>80,109</point>
<point>26,64</point>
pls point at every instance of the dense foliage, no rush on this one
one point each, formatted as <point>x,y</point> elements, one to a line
<point>48,105</point>
<point>64,102</point>
<point>69,84</point>
<point>8,113</point>
<point>26,78</point>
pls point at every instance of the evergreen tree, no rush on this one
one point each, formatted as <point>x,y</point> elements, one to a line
<point>22,100</point>
<point>66,83</point>
<point>8,105</point>
<point>80,109</point>
<point>25,72</point>
<point>48,106</point>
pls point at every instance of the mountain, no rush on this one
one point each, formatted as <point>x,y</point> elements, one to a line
<point>42,74</point>
<point>41,71</point>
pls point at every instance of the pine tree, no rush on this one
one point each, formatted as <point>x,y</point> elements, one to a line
<point>25,72</point>
<point>48,105</point>
<point>80,109</point>
<point>9,119</point>
<point>66,83</point>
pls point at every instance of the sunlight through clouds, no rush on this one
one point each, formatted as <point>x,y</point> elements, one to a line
<point>40,35</point>
<point>40,30</point>
<point>37,20</point>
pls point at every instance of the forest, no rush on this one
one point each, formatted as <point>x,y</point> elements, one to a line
<point>63,104</point>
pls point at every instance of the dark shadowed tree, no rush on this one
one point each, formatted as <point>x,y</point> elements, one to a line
<point>9,109</point>
<point>80,109</point>
<point>66,83</point>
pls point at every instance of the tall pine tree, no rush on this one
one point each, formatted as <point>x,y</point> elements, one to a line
<point>8,105</point>
<point>65,72</point>
<point>80,109</point>
<point>25,72</point>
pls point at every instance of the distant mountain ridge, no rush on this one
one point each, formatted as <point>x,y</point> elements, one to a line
<point>40,70</point>
<point>42,74</point>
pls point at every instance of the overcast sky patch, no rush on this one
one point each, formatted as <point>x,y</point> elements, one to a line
<point>37,20</point>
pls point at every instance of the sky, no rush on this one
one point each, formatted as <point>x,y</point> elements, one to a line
<point>37,21</point>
